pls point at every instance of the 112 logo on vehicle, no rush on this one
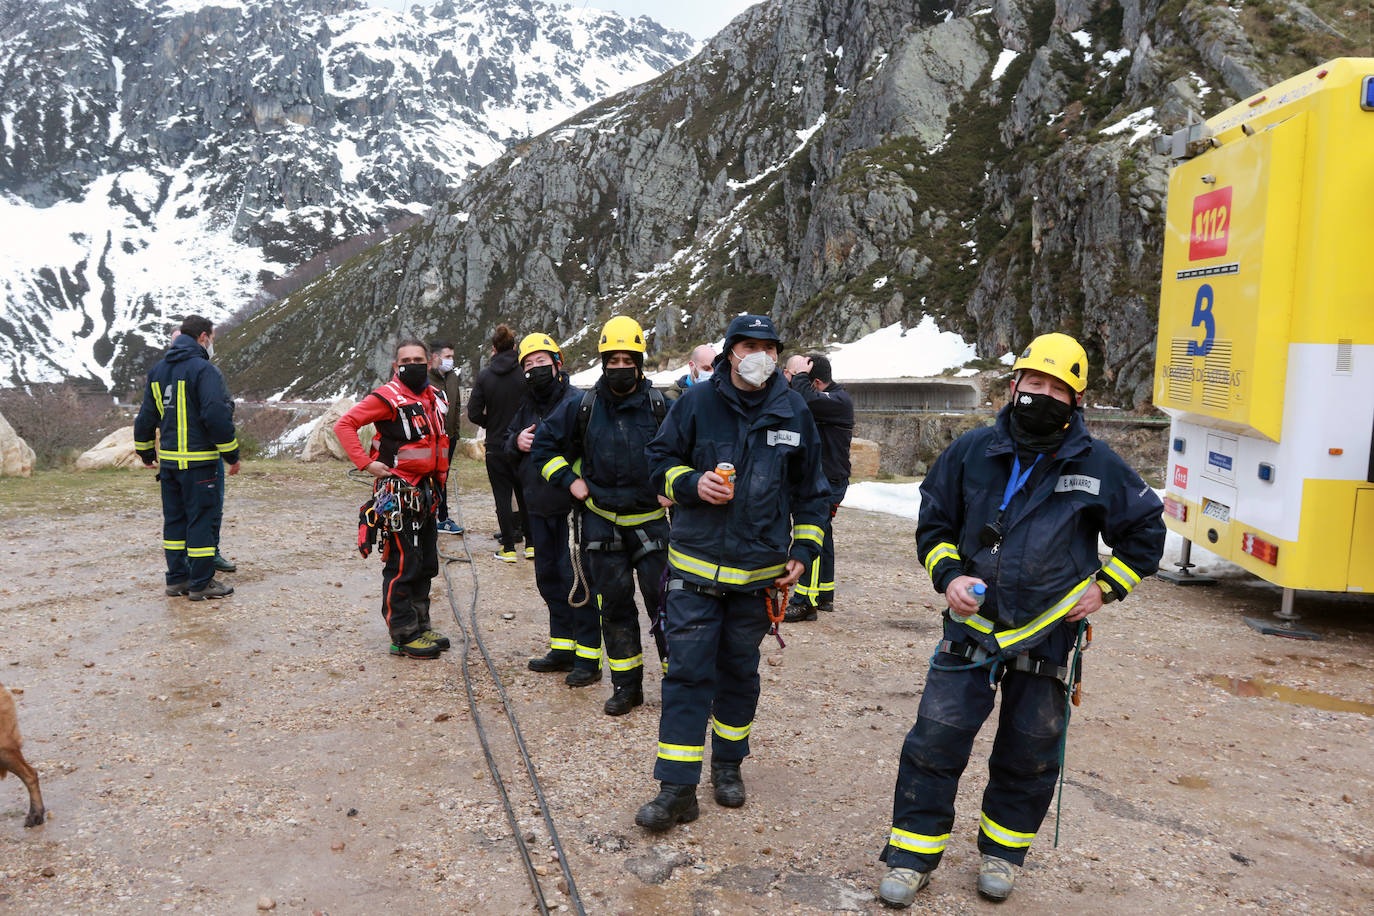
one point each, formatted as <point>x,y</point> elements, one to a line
<point>1211,228</point>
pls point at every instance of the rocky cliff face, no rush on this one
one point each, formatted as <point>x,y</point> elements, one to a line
<point>840,165</point>
<point>159,157</point>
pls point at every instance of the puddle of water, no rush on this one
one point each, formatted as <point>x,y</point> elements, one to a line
<point>1258,687</point>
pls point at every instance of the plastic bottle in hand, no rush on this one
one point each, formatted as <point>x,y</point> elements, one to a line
<point>978,592</point>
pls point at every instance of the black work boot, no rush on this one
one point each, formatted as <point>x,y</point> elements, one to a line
<point>555,660</point>
<point>675,804</point>
<point>624,699</point>
<point>729,786</point>
<point>582,677</point>
<point>798,612</point>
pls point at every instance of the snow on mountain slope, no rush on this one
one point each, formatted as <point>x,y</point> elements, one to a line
<point>164,157</point>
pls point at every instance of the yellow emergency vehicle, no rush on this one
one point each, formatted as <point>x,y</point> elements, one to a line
<point>1265,353</point>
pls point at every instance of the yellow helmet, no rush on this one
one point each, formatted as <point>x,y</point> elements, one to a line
<point>1058,355</point>
<point>621,333</point>
<point>533,343</point>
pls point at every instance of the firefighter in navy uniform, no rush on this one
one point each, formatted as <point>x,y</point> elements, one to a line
<point>1016,508</point>
<point>730,540</point>
<point>623,523</point>
<point>187,406</point>
<point>574,633</point>
<point>410,446</point>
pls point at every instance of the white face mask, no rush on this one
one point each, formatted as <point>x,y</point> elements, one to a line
<point>446,364</point>
<point>702,375</point>
<point>210,349</point>
<point>757,368</point>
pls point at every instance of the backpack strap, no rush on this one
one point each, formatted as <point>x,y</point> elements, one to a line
<point>584,416</point>
<point>657,403</point>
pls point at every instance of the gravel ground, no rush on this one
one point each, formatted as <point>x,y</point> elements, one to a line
<point>265,750</point>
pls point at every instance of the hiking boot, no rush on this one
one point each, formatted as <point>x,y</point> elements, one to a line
<point>900,885</point>
<point>420,646</point>
<point>439,639</point>
<point>796,613</point>
<point>212,589</point>
<point>555,660</point>
<point>506,555</point>
<point>624,699</point>
<point>729,786</point>
<point>449,526</point>
<point>529,553</point>
<point>582,677</point>
<point>995,878</point>
<point>177,589</point>
<point>826,606</point>
<point>223,564</point>
<point>675,804</point>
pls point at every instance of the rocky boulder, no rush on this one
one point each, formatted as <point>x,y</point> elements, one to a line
<point>863,459</point>
<point>16,458</point>
<point>322,444</point>
<point>114,451</point>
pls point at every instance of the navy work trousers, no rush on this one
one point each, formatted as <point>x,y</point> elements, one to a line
<point>713,675</point>
<point>192,499</point>
<point>570,628</point>
<point>1022,768</point>
<point>817,584</point>
<point>611,573</point>
<point>410,563</point>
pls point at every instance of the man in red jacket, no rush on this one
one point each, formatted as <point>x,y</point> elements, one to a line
<point>409,458</point>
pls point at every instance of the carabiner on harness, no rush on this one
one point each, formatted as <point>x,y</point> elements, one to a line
<point>775,600</point>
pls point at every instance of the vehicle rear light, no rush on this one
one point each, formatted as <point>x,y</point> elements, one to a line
<point>1175,508</point>
<point>1259,548</point>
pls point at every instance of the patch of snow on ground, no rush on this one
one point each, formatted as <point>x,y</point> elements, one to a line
<point>1003,62</point>
<point>1141,124</point>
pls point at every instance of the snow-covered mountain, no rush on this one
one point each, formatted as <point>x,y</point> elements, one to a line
<point>162,157</point>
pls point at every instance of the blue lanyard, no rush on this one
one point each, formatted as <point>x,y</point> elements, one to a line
<point>1015,483</point>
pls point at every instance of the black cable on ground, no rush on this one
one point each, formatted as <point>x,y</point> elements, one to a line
<point>573,897</point>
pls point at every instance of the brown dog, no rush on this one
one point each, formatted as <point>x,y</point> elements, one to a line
<point>11,761</point>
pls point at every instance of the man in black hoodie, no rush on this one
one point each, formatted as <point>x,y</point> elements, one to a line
<point>495,398</point>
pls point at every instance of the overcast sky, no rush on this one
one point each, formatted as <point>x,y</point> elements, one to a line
<point>699,18</point>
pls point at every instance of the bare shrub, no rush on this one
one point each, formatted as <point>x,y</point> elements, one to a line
<point>59,421</point>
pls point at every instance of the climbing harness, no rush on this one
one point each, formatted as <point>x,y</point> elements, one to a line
<point>393,502</point>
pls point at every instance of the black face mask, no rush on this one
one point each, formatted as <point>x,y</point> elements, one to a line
<point>414,376</point>
<point>1038,420</point>
<point>539,378</point>
<point>622,380</point>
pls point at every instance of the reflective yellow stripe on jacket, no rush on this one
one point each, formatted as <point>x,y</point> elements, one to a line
<point>813,533</point>
<point>628,521</point>
<point>938,553</point>
<point>553,466</point>
<point>1121,574</point>
<point>671,477</point>
<point>1006,639</point>
<point>724,574</point>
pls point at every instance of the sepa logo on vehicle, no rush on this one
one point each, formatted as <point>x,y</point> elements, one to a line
<point>1211,227</point>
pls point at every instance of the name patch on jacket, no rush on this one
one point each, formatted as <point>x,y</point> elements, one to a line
<point>1070,482</point>
<point>784,437</point>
